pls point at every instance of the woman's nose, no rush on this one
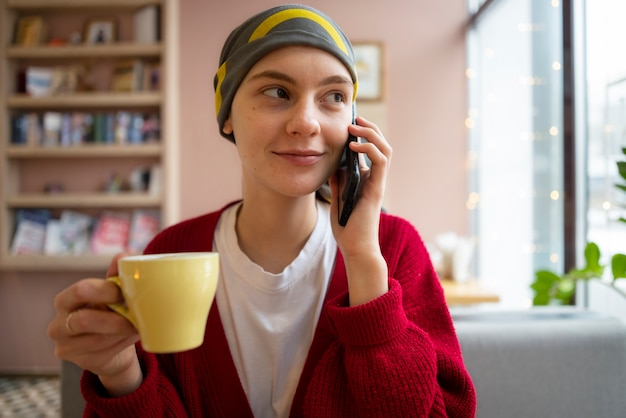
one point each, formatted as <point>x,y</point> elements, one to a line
<point>304,119</point>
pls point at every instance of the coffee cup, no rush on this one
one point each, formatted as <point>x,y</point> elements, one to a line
<point>167,297</point>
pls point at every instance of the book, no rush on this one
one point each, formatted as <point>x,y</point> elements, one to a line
<point>76,128</point>
<point>109,128</point>
<point>88,128</point>
<point>151,130</point>
<point>128,76</point>
<point>66,130</point>
<point>156,180</point>
<point>135,129</point>
<point>99,126</point>
<point>34,130</point>
<point>122,123</point>
<point>19,129</point>
<point>146,24</point>
<point>52,128</point>
<point>110,234</point>
<point>53,245</point>
<point>144,225</point>
<point>151,76</point>
<point>75,228</point>
<point>30,31</point>
<point>30,231</point>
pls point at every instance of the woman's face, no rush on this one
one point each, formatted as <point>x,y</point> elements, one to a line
<point>290,120</point>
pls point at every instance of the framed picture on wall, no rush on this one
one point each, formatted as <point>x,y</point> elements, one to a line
<point>100,32</point>
<point>369,67</point>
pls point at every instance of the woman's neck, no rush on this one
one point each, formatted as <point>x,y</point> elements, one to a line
<point>272,234</point>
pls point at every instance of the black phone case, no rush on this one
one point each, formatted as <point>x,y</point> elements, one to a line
<point>350,193</point>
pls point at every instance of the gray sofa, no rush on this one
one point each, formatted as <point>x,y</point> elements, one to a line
<point>545,363</point>
<point>540,363</point>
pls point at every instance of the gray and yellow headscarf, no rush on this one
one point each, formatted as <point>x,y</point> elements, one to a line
<point>287,25</point>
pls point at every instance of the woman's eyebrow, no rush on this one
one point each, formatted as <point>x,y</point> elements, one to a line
<point>273,75</point>
<point>279,76</point>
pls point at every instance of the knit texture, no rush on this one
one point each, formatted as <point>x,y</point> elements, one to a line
<point>396,356</point>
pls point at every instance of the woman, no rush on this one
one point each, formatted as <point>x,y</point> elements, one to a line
<point>310,318</point>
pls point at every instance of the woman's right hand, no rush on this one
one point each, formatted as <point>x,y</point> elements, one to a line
<point>89,334</point>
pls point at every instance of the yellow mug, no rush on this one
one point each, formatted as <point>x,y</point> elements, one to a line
<point>167,297</point>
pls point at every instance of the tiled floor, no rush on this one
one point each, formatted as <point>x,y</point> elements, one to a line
<point>29,397</point>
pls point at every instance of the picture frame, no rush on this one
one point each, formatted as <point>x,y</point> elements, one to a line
<point>369,65</point>
<point>29,31</point>
<point>102,31</point>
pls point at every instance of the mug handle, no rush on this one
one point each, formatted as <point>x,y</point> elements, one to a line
<point>120,307</point>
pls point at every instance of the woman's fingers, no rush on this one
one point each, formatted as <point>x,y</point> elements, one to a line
<point>91,321</point>
<point>87,292</point>
<point>112,270</point>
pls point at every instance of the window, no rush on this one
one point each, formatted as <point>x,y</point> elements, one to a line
<point>515,157</point>
<point>546,119</point>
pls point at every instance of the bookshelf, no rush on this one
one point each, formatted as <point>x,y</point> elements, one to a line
<point>25,169</point>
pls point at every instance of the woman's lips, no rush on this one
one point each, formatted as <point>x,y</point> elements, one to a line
<point>300,158</point>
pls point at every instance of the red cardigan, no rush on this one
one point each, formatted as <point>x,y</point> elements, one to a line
<point>396,356</point>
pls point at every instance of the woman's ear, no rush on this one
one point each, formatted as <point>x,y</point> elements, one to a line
<point>228,126</point>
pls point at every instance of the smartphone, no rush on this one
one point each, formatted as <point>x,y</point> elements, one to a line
<point>350,192</point>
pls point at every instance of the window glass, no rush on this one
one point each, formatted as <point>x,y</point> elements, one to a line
<point>606,117</point>
<point>514,161</point>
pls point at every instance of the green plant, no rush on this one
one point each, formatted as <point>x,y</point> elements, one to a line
<point>551,288</point>
<point>621,168</point>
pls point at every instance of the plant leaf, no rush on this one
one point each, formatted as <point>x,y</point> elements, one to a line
<point>621,167</point>
<point>547,276</point>
<point>618,266</point>
<point>542,299</point>
<point>592,258</point>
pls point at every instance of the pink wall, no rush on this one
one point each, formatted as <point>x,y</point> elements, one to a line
<point>423,112</point>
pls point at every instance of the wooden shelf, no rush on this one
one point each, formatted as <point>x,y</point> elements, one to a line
<point>56,263</point>
<point>85,151</point>
<point>20,165</point>
<point>84,200</point>
<point>43,5</point>
<point>121,50</point>
<point>86,100</point>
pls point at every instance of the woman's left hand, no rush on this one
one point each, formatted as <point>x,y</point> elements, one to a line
<point>358,240</point>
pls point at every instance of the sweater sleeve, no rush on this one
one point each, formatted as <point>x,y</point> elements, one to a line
<point>398,354</point>
<point>156,397</point>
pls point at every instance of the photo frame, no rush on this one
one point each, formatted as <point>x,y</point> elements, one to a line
<point>369,66</point>
<point>100,32</point>
<point>29,31</point>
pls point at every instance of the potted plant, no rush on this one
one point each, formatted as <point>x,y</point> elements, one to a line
<point>552,288</point>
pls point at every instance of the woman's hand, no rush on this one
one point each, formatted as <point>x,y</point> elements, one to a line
<point>358,240</point>
<point>87,333</point>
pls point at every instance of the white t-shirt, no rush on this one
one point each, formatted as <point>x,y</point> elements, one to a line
<point>270,319</point>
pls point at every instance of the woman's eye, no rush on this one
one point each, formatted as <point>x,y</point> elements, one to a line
<point>335,97</point>
<point>277,92</point>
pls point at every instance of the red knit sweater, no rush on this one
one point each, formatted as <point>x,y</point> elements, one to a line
<point>396,356</point>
